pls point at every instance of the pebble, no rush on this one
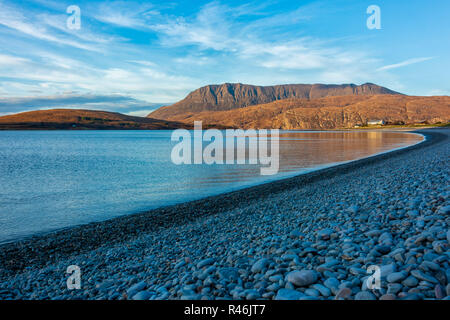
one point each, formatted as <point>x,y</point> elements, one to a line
<point>410,282</point>
<point>205,262</point>
<point>324,291</point>
<point>343,293</point>
<point>332,283</point>
<point>260,265</point>
<point>365,295</point>
<point>439,292</point>
<point>396,277</point>
<point>388,296</point>
<point>302,278</point>
<point>136,288</point>
<point>394,288</point>
<point>288,294</point>
<point>143,295</point>
<point>422,276</point>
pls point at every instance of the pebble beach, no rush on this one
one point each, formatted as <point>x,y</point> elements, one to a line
<point>310,237</point>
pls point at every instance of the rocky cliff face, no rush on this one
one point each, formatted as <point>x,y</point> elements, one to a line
<point>232,96</point>
<point>328,112</point>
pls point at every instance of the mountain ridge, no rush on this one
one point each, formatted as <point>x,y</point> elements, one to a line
<point>333,112</point>
<point>228,96</point>
<point>232,106</point>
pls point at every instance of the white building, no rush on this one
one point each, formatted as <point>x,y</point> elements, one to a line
<point>375,122</point>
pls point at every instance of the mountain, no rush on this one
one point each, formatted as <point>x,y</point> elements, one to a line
<point>328,112</point>
<point>231,96</point>
<point>82,119</point>
<point>244,106</point>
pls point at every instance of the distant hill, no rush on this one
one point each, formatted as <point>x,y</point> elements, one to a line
<point>232,96</point>
<point>290,107</point>
<point>75,119</point>
<point>328,112</point>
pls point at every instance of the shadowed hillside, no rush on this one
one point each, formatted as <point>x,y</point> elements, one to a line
<point>82,119</point>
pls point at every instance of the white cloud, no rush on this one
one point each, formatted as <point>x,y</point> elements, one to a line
<point>143,62</point>
<point>215,27</point>
<point>57,69</point>
<point>404,63</point>
<point>252,43</point>
<point>289,55</point>
<point>57,22</point>
<point>118,103</point>
<point>120,19</point>
<point>194,60</point>
<point>128,14</point>
<point>141,113</point>
<point>6,60</point>
<point>12,18</point>
<point>54,74</point>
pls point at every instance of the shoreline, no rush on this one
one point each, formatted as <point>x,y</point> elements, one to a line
<point>377,128</point>
<point>20,253</point>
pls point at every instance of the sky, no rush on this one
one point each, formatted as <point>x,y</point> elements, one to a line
<point>133,57</point>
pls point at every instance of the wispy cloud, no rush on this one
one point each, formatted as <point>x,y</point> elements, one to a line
<point>405,63</point>
<point>143,62</point>
<point>50,69</point>
<point>128,14</point>
<point>217,34</point>
<point>159,51</point>
<point>12,17</point>
<point>57,23</point>
<point>55,74</point>
<point>215,27</point>
<point>7,60</point>
<point>118,103</point>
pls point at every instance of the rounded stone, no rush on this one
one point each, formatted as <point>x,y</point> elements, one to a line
<point>260,265</point>
<point>365,295</point>
<point>143,295</point>
<point>288,294</point>
<point>388,296</point>
<point>343,293</point>
<point>396,277</point>
<point>302,278</point>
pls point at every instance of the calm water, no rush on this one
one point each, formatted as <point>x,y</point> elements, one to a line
<point>55,179</point>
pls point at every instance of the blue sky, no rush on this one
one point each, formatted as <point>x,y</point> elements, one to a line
<point>133,56</point>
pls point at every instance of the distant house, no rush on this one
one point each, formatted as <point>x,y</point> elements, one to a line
<point>375,122</point>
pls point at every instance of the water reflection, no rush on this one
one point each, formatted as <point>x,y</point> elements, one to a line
<point>303,151</point>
